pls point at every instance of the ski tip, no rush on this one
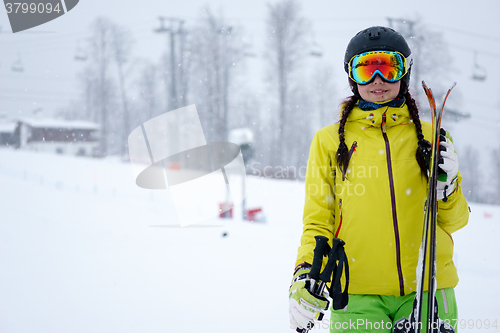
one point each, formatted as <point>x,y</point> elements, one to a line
<point>426,89</point>
<point>428,93</point>
<point>448,93</point>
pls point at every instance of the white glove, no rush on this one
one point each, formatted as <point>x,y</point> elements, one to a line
<point>305,308</point>
<point>448,167</point>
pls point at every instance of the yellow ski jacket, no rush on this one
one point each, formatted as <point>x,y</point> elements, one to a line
<point>377,207</point>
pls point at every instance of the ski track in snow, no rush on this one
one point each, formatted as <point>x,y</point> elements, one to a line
<point>83,249</point>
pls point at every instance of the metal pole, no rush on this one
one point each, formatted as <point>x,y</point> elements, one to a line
<point>172,66</point>
<point>243,188</point>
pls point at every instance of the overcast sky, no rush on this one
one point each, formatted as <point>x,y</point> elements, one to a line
<point>47,52</point>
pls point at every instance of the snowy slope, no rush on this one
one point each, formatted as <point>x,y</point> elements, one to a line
<point>82,249</point>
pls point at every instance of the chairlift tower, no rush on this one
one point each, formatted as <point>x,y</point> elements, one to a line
<point>174,29</point>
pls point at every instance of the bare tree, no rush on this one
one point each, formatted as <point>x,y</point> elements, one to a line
<point>86,104</point>
<point>148,82</point>
<point>107,44</point>
<point>322,92</point>
<point>89,81</point>
<point>101,57</point>
<point>432,60</point>
<point>300,119</point>
<point>217,51</point>
<point>496,175</point>
<point>121,43</point>
<point>286,46</point>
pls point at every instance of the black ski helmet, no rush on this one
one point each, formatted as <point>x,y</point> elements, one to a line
<point>378,38</point>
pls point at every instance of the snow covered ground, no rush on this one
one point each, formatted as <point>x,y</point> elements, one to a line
<point>83,249</point>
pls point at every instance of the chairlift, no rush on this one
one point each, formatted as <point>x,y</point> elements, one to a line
<point>478,72</point>
<point>80,54</point>
<point>17,65</point>
<point>316,50</point>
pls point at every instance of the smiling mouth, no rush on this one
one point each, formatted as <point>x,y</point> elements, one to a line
<point>378,91</point>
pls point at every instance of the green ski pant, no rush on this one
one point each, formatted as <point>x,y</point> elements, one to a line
<point>373,313</point>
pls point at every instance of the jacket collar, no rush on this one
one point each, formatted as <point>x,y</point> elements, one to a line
<point>368,106</point>
<point>373,118</point>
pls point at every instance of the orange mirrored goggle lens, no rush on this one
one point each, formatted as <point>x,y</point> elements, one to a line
<point>391,66</point>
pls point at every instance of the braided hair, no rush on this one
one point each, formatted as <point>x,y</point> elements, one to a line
<point>422,153</point>
<point>349,103</point>
<point>342,151</point>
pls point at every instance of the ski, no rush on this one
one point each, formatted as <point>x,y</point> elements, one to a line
<point>413,324</point>
<point>431,211</point>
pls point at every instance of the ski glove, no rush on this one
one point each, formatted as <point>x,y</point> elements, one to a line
<point>447,166</point>
<point>305,308</point>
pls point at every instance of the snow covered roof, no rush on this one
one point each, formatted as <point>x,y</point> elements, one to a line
<point>59,123</point>
<point>7,127</point>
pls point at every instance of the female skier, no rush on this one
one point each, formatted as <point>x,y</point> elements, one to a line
<point>366,183</point>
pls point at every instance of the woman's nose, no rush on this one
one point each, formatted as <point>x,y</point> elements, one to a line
<point>377,79</point>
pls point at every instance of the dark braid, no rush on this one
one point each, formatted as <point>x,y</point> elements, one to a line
<point>343,151</point>
<point>423,145</point>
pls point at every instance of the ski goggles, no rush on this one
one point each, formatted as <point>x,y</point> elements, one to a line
<point>390,65</point>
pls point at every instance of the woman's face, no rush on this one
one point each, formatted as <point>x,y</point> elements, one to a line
<point>379,91</point>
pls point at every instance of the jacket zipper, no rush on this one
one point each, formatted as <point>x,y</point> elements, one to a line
<point>340,223</point>
<point>393,206</point>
